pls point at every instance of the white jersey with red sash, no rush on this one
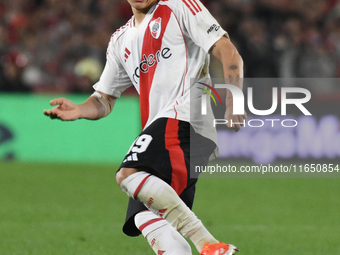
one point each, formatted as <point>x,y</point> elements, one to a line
<point>161,58</point>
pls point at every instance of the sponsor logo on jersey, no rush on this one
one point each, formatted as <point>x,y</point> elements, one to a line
<point>151,60</point>
<point>160,252</point>
<point>213,28</point>
<point>156,28</point>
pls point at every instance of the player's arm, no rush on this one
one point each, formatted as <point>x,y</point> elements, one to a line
<point>97,106</point>
<point>232,64</point>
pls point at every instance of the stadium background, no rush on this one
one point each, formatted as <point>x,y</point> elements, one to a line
<point>57,191</point>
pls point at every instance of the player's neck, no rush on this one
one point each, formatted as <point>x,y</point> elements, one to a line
<point>138,18</point>
<point>140,13</point>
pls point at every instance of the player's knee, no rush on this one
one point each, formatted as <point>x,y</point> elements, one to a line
<point>123,173</point>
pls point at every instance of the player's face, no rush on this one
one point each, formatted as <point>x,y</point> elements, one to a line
<point>142,5</point>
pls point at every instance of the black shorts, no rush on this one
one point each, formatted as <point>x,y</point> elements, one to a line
<point>163,149</point>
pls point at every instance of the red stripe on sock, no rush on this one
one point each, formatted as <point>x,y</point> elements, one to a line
<point>140,187</point>
<point>179,177</point>
<point>148,224</point>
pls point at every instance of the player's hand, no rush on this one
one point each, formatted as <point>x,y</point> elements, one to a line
<point>66,110</point>
<point>234,121</point>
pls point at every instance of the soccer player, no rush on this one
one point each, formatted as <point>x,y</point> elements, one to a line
<point>163,51</point>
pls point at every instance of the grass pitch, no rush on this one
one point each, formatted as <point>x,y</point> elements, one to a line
<point>77,209</point>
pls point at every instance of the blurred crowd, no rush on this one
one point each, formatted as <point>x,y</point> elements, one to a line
<point>55,45</point>
<point>59,46</point>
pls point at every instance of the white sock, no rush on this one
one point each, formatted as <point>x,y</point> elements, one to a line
<point>161,236</point>
<point>162,200</point>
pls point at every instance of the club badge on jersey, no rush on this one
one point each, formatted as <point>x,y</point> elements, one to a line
<point>156,27</point>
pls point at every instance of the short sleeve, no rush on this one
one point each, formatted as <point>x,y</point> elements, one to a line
<point>114,79</point>
<point>199,24</point>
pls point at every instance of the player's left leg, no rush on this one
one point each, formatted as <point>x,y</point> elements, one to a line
<point>161,236</point>
<point>162,199</point>
<point>165,148</point>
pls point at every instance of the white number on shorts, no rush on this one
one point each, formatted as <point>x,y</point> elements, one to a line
<point>142,143</point>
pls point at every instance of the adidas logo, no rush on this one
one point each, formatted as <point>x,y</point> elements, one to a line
<point>132,157</point>
<point>127,54</point>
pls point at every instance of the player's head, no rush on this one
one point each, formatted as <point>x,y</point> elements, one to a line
<point>142,5</point>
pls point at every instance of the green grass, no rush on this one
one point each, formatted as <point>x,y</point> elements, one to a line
<point>78,209</point>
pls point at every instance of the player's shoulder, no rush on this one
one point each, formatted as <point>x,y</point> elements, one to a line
<point>121,31</point>
<point>183,6</point>
<point>172,4</point>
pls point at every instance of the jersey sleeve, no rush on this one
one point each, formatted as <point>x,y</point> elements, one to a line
<point>114,79</point>
<point>199,24</point>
